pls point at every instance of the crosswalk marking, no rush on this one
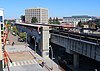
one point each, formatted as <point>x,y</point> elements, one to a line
<point>29,62</point>
<point>10,64</point>
<point>14,64</point>
<point>20,63</point>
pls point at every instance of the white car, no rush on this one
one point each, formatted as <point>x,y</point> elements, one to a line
<point>13,33</point>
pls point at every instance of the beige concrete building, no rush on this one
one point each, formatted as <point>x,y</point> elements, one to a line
<point>40,13</point>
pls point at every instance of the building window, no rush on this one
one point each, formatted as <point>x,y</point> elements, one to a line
<point>1,40</point>
<point>0,18</point>
<point>1,32</point>
<point>1,26</point>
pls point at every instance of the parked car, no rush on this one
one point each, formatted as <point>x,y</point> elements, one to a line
<point>13,33</point>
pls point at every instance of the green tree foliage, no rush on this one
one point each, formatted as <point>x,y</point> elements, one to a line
<point>57,21</point>
<point>23,18</point>
<point>54,21</point>
<point>22,35</point>
<point>50,20</point>
<point>9,26</point>
<point>15,29</point>
<point>34,20</point>
<point>97,21</point>
<point>92,25</point>
<point>80,24</point>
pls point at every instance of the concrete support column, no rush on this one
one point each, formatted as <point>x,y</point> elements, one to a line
<point>76,61</point>
<point>44,41</point>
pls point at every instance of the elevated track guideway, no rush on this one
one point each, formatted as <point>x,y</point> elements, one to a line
<point>89,38</point>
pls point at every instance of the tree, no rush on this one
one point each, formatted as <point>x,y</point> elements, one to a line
<point>50,20</point>
<point>9,26</point>
<point>98,23</point>
<point>93,26</point>
<point>23,35</point>
<point>54,21</point>
<point>15,30</point>
<point>80,24</point>
<point>34,20</point>
<point>57,21</point>
<point>23,18</point>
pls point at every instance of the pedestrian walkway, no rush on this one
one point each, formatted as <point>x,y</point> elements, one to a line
<point>24,58</point>
<point>50,65</point>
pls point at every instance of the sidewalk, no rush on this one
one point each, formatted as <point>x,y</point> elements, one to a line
<point>22,55</point>
<point>49,64</point>
<point>18,50</point>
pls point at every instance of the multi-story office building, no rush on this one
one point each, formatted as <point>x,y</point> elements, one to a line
<point>1,34</point>
<point>1,23</point>
<point>40,13</point>
<point>75,19</point>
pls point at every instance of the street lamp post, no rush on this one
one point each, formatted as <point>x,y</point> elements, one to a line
<point>51,53</point>
<point>26,40</point>
<point>35,42</point>
<point>51,56</point>
<point>26,37</point>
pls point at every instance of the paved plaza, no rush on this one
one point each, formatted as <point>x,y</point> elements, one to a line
<point>25,59</point>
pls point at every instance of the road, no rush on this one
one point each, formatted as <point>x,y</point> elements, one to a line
<point>14,39</point>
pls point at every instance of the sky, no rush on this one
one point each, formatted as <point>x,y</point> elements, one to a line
<point>56,8</point>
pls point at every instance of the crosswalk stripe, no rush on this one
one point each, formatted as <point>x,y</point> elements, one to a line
<point>29,62</point>
<point>22,63</point>
<point>32,62</point>
<point>35,61</point>
<point>14,64</point>
<point>10,64</point>
<point>18,64</point>
<point>25,62</point>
